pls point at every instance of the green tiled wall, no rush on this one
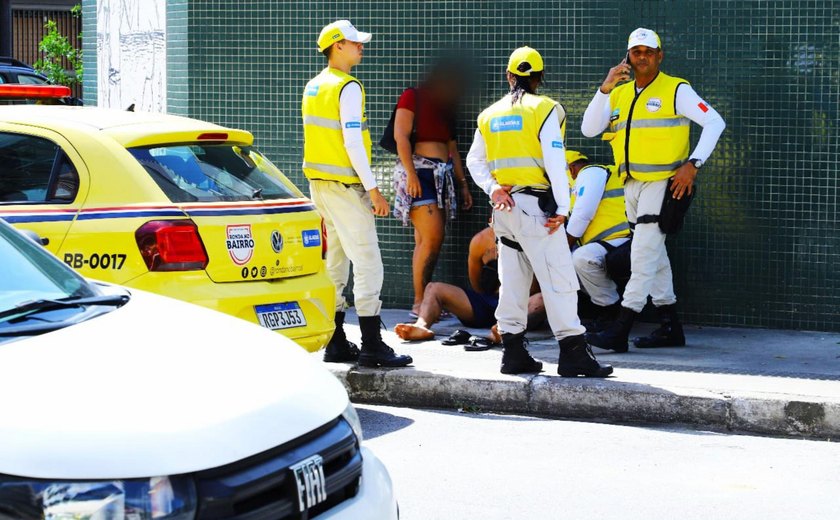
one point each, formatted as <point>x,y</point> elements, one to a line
<point>761,245</point>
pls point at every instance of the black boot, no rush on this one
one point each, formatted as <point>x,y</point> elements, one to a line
<point>576,359</point>
<point>669,333</point>
<point>606,315</point>
<point>340,349</point>
<point>375,353</point>
<point>516,359</point>
<point>614,337</point>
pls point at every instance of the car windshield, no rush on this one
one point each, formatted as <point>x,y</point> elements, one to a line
<point>214,172</point>
<point>29,272</point>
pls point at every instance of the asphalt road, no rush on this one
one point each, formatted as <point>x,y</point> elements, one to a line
<point>449,465</point>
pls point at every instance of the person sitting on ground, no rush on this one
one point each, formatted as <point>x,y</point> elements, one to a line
<point>474,306</point>
<point>597,225</point>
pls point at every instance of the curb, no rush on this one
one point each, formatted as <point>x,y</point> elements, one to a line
<point>595,399</point>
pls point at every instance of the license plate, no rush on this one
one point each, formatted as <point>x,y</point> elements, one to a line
<point>277,316</point>
<point>311,483</point>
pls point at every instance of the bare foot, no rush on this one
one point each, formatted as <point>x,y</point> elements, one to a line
<point>494,334</point>
<point>412,332</point>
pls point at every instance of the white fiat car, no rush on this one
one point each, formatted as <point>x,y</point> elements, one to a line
<point>121,405</point>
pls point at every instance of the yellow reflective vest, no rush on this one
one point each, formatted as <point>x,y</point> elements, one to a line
<point>648,138</point>
<point>324,155</point>
<point>610,220</point>
<point>511,133</point>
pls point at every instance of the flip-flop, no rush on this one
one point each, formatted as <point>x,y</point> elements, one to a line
<point>477,344</point>
<point>459,337</point>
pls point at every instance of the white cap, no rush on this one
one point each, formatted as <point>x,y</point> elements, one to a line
<point>642,36</point>
<point>341,30</point>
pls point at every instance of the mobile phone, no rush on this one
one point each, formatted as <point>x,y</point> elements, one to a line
<point>627,61</point>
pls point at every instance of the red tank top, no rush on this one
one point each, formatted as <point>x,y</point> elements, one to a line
<point>432,123</point>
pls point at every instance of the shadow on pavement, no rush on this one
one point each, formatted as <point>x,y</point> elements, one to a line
<point>376,424</point>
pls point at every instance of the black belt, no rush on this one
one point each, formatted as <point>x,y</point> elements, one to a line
<point>510,243</point>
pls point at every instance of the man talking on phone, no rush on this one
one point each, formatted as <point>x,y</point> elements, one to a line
<point>656,110</point>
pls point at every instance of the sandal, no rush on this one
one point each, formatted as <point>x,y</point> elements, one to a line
<point>477,344</point>
<point>459,337</point>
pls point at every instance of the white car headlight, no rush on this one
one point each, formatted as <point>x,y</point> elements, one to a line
<point>166,498</point>
<point>352,417</point>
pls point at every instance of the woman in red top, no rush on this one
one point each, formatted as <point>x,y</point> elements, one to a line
<point>423,176</point>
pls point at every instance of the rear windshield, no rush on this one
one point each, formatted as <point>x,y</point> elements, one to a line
<point>214,172</point>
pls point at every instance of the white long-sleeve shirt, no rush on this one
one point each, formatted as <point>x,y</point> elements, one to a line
<point>596,119</point>
<point>589,189</point>
<point>554,158</point>
<point>350,110</point>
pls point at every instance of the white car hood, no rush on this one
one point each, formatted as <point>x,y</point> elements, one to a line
<point>157,387</point>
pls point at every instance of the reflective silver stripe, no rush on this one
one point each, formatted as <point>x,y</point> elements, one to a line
<point>609,194</point>
<point>326,122</point>
<point>331,169</point>
<point>651,168</point>
<point>653,123</point>
<point>607,232</point>
<point>516,162</point>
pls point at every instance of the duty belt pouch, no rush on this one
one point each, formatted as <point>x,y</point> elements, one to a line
<point>673,210</point>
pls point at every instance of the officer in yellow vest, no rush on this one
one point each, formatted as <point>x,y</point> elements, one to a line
<point>517,158</point>
<point>336,160</point>
<point>597,224</point>
<point>647,124</point>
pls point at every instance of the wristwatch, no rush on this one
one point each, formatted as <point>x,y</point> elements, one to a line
<point>696,162</point>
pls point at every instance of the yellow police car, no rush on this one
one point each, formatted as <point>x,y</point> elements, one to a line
<point>172,205</point>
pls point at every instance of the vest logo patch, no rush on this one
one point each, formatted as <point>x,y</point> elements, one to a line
<point>557,144</point>
<point>506,124</point>
<point>653,104</point>
<point>312,90</point>
<point>615,114</point>
<point>353,124</point>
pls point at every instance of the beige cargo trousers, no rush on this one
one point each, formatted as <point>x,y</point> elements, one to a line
<point>351,237</point>
<point>542,255</point>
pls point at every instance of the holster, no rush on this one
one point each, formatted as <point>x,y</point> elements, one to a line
<point>545,199</point>
<point>547,203</point>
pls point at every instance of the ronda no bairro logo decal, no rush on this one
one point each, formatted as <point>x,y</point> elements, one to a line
<point>240,243</point>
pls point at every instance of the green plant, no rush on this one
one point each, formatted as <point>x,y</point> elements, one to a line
<point>56,47</point>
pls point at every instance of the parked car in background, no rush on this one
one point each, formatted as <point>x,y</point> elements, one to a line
<point>16,71</point>
<point>171,205</point>
<point>122,404</point>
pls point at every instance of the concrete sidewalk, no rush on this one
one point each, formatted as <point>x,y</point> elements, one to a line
<point>750,380</point>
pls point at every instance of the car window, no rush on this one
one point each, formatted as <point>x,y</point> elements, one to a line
<point>30,79</point>
<point>214,172</point>
<point>30,272</point>
<point>65,183</point>
<point>27,164</point>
